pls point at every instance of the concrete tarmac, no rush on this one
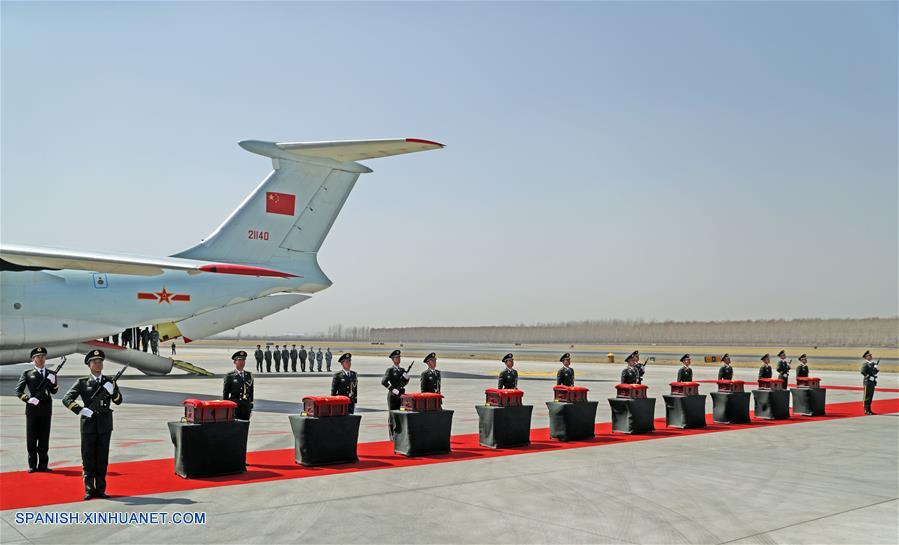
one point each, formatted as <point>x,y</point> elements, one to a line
<point>813,482</point>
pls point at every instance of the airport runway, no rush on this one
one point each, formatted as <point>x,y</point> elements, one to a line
<point>813,481</point>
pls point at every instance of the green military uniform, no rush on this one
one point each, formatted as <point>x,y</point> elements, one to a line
<point>726,371</point>
<point>508,379</point>
<point>96,424</point>
<point>629,376</point>
<point>765,370</point>
<point>783,369</point>
<point>802,369</point>
<point>395,378</point>
<point>258,355</point>
<point>640,368</point>
<point>238,387</point>
<point>36,388</point>
<point>430,381</point>
<point>345,383</point>
<point>869,372</point>
<point>285,357</point>
<point>685,373</point>
<point>565,377</point>
<point>293,358</point>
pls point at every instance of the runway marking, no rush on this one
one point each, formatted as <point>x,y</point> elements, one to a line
<point>145,477</point>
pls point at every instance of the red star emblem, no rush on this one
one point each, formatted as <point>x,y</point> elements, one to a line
<point>164,296</point>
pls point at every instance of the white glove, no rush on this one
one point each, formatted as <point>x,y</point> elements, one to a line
<point>406,376</point>
<point>395,392</point>
<point>871,379</point>
<point>52,378</point>
<point>33,400</point>
<point>85,412</point>
<point>109,387</point>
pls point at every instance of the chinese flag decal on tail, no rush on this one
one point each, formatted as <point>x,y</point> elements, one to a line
<point>280,203</point>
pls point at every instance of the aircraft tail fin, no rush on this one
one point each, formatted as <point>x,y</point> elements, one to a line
<point>293,209</point>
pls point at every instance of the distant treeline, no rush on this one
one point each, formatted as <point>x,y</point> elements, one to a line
<point>883,332</point>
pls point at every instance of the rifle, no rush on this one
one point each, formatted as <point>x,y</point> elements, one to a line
<point>44,380</point>
<point>115,379</point>
<point>413,363</point>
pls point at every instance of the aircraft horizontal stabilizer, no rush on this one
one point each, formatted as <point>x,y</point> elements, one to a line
<point>343,151</point>
<point>17,257</point>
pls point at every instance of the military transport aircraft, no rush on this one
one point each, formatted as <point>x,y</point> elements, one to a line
<point>261,260</point>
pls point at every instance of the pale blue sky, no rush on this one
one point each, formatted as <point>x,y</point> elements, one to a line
<point>603,160</point>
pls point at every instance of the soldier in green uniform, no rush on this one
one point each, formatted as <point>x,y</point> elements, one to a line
<point>508,377</point>
<point>276,353</point>
<point>258,355</point>
<point>565,376</point>
<point>802,368</point>
<point>726,372</point>
<point>285,357</point>
<point>765,369</point>
<point>638,366</point>
<point>869,371</point>
<point>430,377</point>
<point>783,368</point>
<point>96,391</point>
<point>685,373</point>
<point>345,383</point>
<point>41,385</point>
<point>630,375</point>
<point>238,386</point>
<point>293,358</point>
<point>395,380</point>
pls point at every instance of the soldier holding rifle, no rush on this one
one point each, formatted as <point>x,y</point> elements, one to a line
<point>96,391</point>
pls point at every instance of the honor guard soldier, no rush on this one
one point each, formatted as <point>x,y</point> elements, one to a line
<point>430,377</point>
<point>277,355</point>
<point>40,384</point>
<point>765,369</point>
<point>238,387</point>
<point>685,373</point>
<point>640,367</point>
<point>508,377</point>
<point>328,357</point>
<point>783,368</point>
<point>630,375</point>
<point>293,358</point>
<point>565,376</point>
<point>258,354</point>
<point>285,357</point>
<point>96,391</point>
<point>318,359</point>
<point>869,371</point>
<point>395,380</point>
<point>268,359</point>
<point>302,355</point>
<point>802,368</point>
<point>726,372</point>
<point>345,383</point>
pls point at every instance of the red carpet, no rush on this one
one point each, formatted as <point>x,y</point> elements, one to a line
<point>826,387</point>
<point>19,489</point>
